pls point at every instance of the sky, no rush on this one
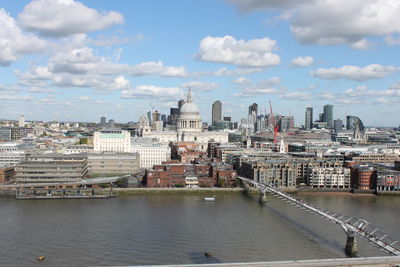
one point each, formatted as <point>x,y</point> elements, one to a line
<point>69,60</point>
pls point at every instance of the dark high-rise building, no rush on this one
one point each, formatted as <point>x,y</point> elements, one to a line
<point>228,119</point>
<point>321,117</point>
<point>180,104</point>
<point>308,123</point>
<point>351,122</point>
<point>253,107</point>
<point>338,125</point>
<point>328,116</point>
<point>150,117</point>
<point>174,111</point>
<point>103,121</point>
<point>173,116</point>
<point>216,112</point>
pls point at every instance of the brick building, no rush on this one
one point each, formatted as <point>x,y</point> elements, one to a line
<point>185,152</point>
<point>363,177</point>
<point>191,175</point>
<point>7,174</point>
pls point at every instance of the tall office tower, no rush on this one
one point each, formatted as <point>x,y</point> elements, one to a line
<point>328,116</point>
<point>216,111</point>
<point>150,118</point>
<point>338,125</point>
<point>111,123</point>
<point>21,122</point>
<point>163,117</point>
<point>253,107</point>
<point>103,121</point>
<point>308,123</point>
<point>173,116</point>
<point>180,104</point>
<point>321,117</point>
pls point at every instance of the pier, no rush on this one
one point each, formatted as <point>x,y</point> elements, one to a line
<point>78,193</point>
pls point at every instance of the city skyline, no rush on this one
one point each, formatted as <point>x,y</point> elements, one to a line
<point>120,59</point>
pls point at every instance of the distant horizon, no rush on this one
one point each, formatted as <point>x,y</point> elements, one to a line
<point>11,120</point>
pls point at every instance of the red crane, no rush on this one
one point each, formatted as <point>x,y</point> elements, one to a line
<point>276,127</point>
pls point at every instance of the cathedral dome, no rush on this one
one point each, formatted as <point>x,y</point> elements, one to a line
<point>189,108</point>
<point>189,116</point>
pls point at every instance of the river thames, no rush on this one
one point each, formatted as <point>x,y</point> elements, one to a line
<point>180,228</point>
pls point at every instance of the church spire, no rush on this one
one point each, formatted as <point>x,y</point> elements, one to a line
<point>189,96</point>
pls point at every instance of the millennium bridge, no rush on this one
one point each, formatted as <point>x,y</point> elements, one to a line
<point>352,226</point>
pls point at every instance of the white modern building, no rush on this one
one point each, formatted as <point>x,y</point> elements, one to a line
<point>11,158</point>
<point>21,121</point>
<point>112,140</point>
<point>150,153</point>
<point>321,177</point>
<point>189,128</point>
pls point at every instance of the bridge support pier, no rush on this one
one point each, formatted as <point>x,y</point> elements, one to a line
<point>351,248</point>
<point>263,197</point>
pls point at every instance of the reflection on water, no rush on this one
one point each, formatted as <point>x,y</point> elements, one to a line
<point>177,229</point>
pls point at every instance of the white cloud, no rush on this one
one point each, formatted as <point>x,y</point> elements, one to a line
<point>373,71</point>
<point>311,87</point>
<point>302,61</point>
<point>241,80</point>
<point>40,90</point>
<point>85,98</point>
<point>363,44</point>
<point>296,95</point>
<point>153,91</point>
<point>385,101</point>
<point>13,42</point>
<point>263,87</point>
<point>109,41</point>
<point>80,67</point>
<point>200,85</point>
<point>253,53</point>
<point>333,22</point>
<point>248,92</point>
<point>326,95</point>
<point>236,72</point>
<point>121,83</point>
<point>65,17</point>
<point>174,72</point>
<point>270,81</point>
<point>363,91</point>
<point>12,96</point>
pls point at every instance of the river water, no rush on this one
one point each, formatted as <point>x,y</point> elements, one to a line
<point>179,229</point>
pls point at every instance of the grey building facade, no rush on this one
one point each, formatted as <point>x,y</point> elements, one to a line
<point>52,168</point>
<point>328,116</point>
<point>112,164</point>
<point>308,122</point>
<point>338,125</point>
<point>216,112</point>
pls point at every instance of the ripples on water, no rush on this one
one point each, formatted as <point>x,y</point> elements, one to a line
<point>178,229</point>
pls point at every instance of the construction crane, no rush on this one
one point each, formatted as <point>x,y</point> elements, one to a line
<point>276,127</point>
